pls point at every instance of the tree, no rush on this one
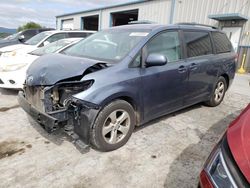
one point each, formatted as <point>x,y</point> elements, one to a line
<point>29,25</point>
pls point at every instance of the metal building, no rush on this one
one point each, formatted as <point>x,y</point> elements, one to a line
<point>232,16</point>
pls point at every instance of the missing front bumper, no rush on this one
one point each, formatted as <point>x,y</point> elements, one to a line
<point>81,121</point>
<point>50,123</point>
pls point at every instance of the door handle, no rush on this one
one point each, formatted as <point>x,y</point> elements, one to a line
<point>193,66</point>
<point>182,69</point>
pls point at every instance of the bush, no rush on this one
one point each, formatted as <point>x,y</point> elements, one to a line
<point>29,25</point>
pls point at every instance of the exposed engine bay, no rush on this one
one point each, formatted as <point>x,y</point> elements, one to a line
<point>55,107</point>
<point>59,96</point>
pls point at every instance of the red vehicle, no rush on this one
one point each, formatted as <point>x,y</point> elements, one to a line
<point>228,165</point>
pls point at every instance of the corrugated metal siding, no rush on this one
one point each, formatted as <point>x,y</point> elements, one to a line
<point>185,11</point>
<point>157,11</point>
<point>198,11</point>
<point>77,19</point>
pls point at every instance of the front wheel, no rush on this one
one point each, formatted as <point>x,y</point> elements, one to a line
<point>113,126</point>
<point>218,93</point>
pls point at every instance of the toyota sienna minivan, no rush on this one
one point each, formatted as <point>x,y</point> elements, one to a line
<point>99,89</point>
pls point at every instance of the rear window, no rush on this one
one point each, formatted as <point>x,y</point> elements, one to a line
<point>221,43</point>
<point>29,33</point>
<point>198,43</point>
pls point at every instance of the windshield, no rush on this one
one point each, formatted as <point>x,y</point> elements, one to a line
<point>52,47</point>
<point>37,38</point>
<point>13,36</point>
<point>109,45</point>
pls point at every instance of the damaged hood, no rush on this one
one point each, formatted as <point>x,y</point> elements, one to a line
<point>52,68</point>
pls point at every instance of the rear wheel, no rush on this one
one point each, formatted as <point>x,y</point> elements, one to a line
<point>113,126</point>
<point>218,93</point>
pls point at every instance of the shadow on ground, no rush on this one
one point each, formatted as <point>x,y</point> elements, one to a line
<point>185,169</point>
<point>157,120</point>
<point>58,137</point>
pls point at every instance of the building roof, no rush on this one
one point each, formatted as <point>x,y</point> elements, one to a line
<point>102,8</point>
<point>226,17</point>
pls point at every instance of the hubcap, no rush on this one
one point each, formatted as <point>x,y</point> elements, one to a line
<point>219,91</point>
<point>116,126</point>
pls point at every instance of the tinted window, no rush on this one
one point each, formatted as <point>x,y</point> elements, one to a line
<point>29,33</point>
<point>166,44</point>
<point>79,35</point>
<point>221,42</point>
<point>198,43</point>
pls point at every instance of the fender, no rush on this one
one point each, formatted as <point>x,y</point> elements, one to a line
<point>122,90</point>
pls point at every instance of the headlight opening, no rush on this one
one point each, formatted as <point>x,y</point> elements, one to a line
<point>218,172</point>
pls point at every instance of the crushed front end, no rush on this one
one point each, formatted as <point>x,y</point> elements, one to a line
<point>54,107</point>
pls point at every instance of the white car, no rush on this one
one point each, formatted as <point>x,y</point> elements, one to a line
<point>13,70</point>
<point>40,40</point>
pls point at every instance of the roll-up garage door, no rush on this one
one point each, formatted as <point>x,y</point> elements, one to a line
<point>67,24</point>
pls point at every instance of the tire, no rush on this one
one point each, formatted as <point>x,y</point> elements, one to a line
<point>113,126</point>
<point>218,93</point>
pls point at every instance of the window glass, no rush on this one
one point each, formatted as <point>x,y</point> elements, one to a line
<point>38,38</point>
<point>52,47</point>
<point>29,33</point>
<point>109,45</point>
<point>166,44</point>
<point>56,37</point>
<point>221,42</point>
<point>136,62</point>
<point>198,43</point>
<point>13,36</point>
<point>80,35</point>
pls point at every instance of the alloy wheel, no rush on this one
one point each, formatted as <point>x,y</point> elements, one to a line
<point>219,91</point>
<point>116,126</point>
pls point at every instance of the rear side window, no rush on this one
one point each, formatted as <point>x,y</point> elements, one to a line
<point>221,43</point>
<point>198,43</point>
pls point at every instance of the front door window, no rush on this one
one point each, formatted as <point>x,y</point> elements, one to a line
<point>166,44</point>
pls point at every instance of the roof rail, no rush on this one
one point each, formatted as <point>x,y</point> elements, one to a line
<point>197,24</point>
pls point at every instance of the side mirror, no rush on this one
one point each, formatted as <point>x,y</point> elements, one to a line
<point>21,38</point>
<point>156,60</point>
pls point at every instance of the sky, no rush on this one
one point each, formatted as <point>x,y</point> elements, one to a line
<point>14,13</point>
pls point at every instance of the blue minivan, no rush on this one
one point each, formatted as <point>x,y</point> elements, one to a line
<point>99,89</point>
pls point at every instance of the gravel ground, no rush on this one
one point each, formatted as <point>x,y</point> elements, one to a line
<point>167,152</point>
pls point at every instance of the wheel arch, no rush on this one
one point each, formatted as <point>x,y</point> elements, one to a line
<point>129,99</point>
<point>225,75</point>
